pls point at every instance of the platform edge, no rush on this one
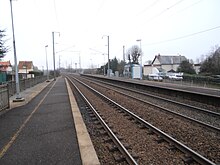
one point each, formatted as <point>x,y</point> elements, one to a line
<point>87,150</point>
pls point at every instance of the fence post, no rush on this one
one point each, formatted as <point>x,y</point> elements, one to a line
<point>8,96</point>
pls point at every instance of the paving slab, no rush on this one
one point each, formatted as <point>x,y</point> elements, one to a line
<point>41,131</point>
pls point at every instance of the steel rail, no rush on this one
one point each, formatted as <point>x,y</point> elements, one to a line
<point>182,147</point>
<point>164,99</point>
<point>203,124</point>
<point>114,138</point>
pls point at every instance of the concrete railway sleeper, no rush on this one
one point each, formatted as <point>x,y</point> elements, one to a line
<point>212,116</point>
<point>127,156</point>
<point>193,135</point>
<point>189,153</point>
<point>187,105</point>
<point>191,94</point>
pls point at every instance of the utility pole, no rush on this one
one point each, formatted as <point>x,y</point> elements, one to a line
<point>18,96</point>
<point>108,59</point>
<point>54,66</point>
<point>46,46</point>
<point>104,65</point>
<point>108,71</point>
<point>79,64</point>
<point>139,40</point>
<point>123,53</point>
<point>75,67</point>
<point>59,62</point>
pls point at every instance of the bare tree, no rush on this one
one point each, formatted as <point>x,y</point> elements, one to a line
<point>133,54</point>
<point>191,61</point>
<point>197,61</point>
<point>211,65</point>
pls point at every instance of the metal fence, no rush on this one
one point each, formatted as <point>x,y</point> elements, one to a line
<point>9,89</point>
<point>192,83</point>
<point>4,97</point>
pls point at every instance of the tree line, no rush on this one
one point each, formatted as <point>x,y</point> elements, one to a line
<point>3,47</point>
<point>209,66</point>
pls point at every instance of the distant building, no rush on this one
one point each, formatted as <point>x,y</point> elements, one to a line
<point>197,67</point>
<point>127,70</point>
<point>132,71</point>
<point>164,63</point>
<point>5,71</point>
<point>24,67</point>
<point>5,66</point>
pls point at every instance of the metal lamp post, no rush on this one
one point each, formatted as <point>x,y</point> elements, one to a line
<point>104,65</point>
<point>108,72</point>
<point>18,96</point>
<point>26,68</point>
<point>54,67</point>
<point>139,40</point>
<point>47,63</point>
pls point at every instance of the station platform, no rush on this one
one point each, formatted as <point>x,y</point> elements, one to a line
<point>46,128</point>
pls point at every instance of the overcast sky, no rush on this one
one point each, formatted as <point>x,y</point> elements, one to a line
<point>169,27</point>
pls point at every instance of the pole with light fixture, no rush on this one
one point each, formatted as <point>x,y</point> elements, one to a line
<point>54,66</point>
<point>139,40</point>
<point>104,65</point>
<point>26,68</point>
<point>18,96</point>
<point>108,72</point>
<point>47,63</point>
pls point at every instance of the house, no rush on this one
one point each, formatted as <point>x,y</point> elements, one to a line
<point>164,63</point>
<point>197,67</point>
<point>5,66</point>
<point>5,71</point>
<point>24,67</point>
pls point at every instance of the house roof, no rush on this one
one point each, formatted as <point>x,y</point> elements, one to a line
<point>24,64</point>
<point>166,59</point>
<point>5,63</point>
<point>197,65</point>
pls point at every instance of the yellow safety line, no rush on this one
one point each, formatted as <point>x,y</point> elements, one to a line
<point>8,145</point>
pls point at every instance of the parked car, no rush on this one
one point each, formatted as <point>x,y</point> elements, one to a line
<point>155,77</point>
<point>175,77</point>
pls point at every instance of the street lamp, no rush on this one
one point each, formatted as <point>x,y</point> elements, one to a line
<point>54,67</point>
<point>139,40</point>
<point>26,68</point>
<point>18,96</point>
<point>47,63</point>
<point>108,72</point>
<point>104,65</point>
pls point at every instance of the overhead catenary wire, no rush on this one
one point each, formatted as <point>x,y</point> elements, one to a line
<point>148,7</point>
<point>182,37</point>
<point>187,7</point>
<point>100,6</point>
<point>66,49</point>
<point>161,13</point>
<point>55,11</point>
<point>165,10</point>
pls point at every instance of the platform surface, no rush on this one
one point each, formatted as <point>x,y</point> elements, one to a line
<point>41,130</point>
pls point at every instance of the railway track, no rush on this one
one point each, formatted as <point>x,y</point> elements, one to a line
<point>204,117</point>
<point>190,94</point>
<point>133,123</point>
<point>129,159</point>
